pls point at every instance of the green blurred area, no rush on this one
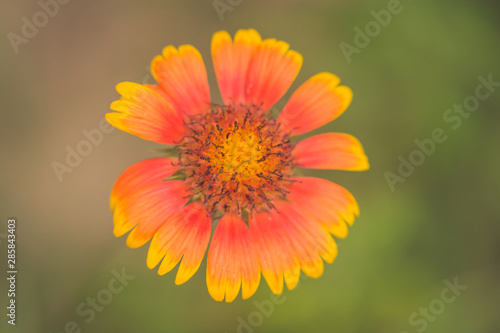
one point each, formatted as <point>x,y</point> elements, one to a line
<point>440,224</point>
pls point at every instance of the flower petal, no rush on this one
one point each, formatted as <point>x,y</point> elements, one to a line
<point>143,112</point>
<point>325,202</point>
<point>275,257</point>
<point>181,74</point>
<point>287,242</point>
<point>315,103</point>
<point>331,151</point>
<point>232,261</point>
<point>141,174</point>
<point>184,235</point>
<point>231,62</point>
<point>272,70</point>
<point>147,209</point>
<point>252,71</point>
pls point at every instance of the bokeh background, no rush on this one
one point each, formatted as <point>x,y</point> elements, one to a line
<point>440,224</point>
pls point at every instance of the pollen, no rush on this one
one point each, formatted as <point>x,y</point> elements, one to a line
<point>236,159</point>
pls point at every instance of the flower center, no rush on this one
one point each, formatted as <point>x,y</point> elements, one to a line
<point>236,159</point>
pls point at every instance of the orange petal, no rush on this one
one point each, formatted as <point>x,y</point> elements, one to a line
<point>231,62</point>
<point>276,256</point>
<point>252,71</point>
<point>184,235</point>
<point>324,202</point>
<point>182,76</point>
<point>146,114</point>
<point>141,174</point>
<point>331,151</point>
<point>272,70</point>
<point>315,103</point>
<point>147,209</point>
<point>287,242</point>
<point>232,261</point>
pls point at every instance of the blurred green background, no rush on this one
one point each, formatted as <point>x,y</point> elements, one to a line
<point>440,224</point>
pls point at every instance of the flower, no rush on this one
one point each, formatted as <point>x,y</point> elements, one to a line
<point>235,167</point>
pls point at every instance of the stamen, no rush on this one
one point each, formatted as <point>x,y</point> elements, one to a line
<point>232,146</point>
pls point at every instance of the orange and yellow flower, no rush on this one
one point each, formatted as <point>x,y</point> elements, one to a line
<point>234,168</point>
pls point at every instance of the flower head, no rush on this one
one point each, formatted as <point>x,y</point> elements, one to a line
<point>234,168</point>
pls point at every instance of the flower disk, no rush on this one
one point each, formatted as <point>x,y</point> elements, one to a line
<point>236,159</point>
